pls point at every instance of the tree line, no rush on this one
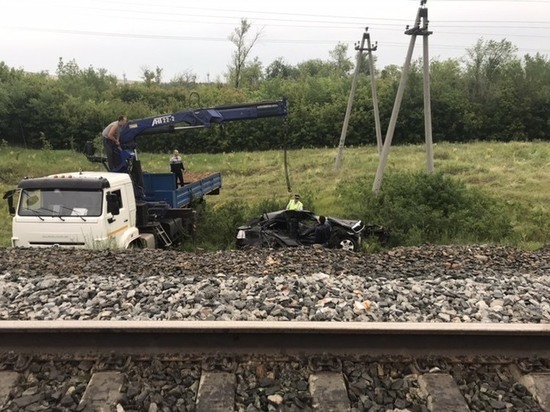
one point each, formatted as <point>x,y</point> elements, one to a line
<point>489,94</point>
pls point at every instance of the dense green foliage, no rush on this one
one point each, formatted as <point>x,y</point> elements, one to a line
<point>423,208</point>
<point>489,95</point>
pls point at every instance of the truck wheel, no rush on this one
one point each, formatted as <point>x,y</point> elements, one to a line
<point>347,243</point>
<point>137,244</point>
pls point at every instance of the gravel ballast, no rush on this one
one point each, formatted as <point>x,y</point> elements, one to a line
<point>421,284</point>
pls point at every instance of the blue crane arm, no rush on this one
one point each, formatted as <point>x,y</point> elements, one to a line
<point>127,156</point>
<point>253,110</point>
<point>167,123</point>
<point>199,118</point>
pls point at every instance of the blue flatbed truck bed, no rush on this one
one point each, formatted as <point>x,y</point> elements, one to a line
<point>161,187</point>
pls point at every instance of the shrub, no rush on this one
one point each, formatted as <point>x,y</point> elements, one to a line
<point>430,208</point>
<point>268,205</point>
<point>216,227</point>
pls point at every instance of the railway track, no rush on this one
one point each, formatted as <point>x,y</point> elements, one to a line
<point>273,366</point>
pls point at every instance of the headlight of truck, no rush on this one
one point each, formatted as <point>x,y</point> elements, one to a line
<point>241,234</point>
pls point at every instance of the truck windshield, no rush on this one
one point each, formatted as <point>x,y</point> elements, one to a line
<point>42,202</point>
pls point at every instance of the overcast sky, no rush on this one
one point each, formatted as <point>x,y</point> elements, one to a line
<point>126,36</point>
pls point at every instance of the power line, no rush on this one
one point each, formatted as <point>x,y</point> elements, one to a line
<point>219,39</point>
<point>106,34</point>
<point>330,17</point>
<point>160,36</point>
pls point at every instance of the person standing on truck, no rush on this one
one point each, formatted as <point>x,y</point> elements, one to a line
<point>111,142</point>
<point>295,204</point>
<point>176,167</point>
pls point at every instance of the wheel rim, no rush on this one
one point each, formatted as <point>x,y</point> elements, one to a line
<point>347,244</point>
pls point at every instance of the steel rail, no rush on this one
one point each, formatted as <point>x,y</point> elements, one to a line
<point>275,338</point>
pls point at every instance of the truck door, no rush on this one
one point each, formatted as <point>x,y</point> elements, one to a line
<point>118,220</point>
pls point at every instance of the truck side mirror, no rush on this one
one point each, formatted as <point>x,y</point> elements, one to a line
<point>113,204</point>
<point>9,197</point>
<point>89,149</point>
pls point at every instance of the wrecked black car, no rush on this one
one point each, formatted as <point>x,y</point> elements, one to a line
<point>294,228</point>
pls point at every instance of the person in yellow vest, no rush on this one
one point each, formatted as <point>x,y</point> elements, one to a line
<point>295,204</point>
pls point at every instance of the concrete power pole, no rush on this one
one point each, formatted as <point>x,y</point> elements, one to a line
<point>417,30</point>
<point>360,49</point>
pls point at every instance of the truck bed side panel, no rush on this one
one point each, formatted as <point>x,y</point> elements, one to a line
<point>162,187</point>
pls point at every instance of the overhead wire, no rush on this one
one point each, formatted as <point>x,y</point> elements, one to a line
<point>483,27</point>
<point>348,22</point>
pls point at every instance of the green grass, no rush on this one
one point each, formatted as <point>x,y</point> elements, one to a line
<point>517,173</point>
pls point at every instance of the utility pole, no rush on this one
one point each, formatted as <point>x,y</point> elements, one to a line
<point>417,30</point>
<point>360,49</point>
<point>374,96</point>
<point>427,97</point>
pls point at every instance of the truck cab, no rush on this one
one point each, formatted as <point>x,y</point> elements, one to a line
<point>93,210</point>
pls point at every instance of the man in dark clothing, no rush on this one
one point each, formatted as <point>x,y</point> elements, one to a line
<point>176,167</point>
<point>322,232</point>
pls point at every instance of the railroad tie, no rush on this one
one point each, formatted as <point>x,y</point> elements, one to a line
<point>8,379</point>
<point>328,391</point>
<point>442,393</point>
<point>539,386</point>
<point>216,392</point>
<point>102,392</point>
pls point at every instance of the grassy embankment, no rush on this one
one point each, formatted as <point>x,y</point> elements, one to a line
<point>517,173</point>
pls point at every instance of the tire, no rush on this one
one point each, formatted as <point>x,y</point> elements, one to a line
<point>136,244</point>
<point>347,243</point>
